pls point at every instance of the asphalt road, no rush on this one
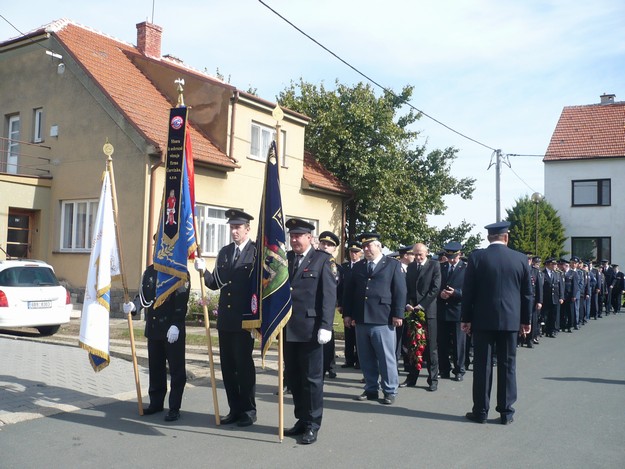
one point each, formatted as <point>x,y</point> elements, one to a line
<point>570,414</point>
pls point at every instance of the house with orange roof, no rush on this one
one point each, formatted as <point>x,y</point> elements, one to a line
<point>584,178</point>
<point>68,89</point>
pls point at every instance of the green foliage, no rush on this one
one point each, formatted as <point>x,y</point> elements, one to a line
<point>438,238</point>
<point>365,141</point>
<point>195,309</point>
<point>551,236</point>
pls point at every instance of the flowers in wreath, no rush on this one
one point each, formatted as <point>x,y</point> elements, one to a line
<point>417,339</point>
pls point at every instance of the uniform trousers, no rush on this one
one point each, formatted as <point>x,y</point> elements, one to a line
<point>329,353</point>
<point>161,353</point>
<point>238,371</point>
<point>503,344</point>
<point>451,343</point>
<point>351,354</point>
<point>303,369</point>
<point>376,352</point>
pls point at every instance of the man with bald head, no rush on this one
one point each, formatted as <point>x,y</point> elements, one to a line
<point>423,280</point>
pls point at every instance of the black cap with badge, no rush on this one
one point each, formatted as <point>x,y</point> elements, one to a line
<point>500,227</point>
<point>296,225</point>
<point>238,217</point>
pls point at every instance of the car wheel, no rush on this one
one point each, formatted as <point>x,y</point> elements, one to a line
<point>48,330</point>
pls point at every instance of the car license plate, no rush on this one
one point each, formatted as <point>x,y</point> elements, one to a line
<point>39,304</point>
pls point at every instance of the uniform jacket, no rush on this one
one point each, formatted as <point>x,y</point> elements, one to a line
<point>497,290</point>
<point>450,309</point>
<point>537,285</point>
<point>424,286</point>
<point>378,298</point>
<point>234,283</point>
<point>171,313</point>
<point>552,294</point>
<point>571,285</point>
<point>313,292</point>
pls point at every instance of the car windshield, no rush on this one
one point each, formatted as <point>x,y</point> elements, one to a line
<point>27,276</point>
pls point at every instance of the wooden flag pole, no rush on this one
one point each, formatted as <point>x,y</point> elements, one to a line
<point>209,338</point>
<point>108,150</point>
<point>280,388</point>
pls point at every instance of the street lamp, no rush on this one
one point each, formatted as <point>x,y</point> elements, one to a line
<point>537,197</point>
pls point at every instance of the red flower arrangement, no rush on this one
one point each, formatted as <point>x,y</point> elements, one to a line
<point>416,336</point>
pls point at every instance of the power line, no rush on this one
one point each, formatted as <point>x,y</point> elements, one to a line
<point>371,79</point>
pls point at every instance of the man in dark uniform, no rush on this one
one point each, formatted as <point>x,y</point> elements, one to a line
<point>351,353</point>
<point>313,291</point>
<point>570,296</point>
<point>596,298</point>
<point>617,291</point>
<point>232,277</point>
<point>609,280</point>
<point>451,339</point>
<point>373,301</point>
<point>166,333</point>
<point>552,297</point>
<point>537,302</point>
<point>423,281</point>
<point>496,306</point>
<point>328,242</point>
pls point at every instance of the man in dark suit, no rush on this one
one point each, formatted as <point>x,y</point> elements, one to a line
<point>596,298</point>
<point>373,301</point>
<point>552,297</point>
<point>423,280</point>
<point>451,339</point>
<point>496,306</point>
<point>232,276</point>
<point>351,353</point>
<point>536,277</point>
<point>617,291</point>
<point>313,291</point>
<point>570,296</point>
<point>166,334</point>
<point>328,242</point>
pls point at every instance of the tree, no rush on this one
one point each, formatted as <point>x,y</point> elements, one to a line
<point>363,140</point>
<point>523,228</point>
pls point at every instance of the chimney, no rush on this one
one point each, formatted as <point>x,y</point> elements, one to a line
<point>149,39</point>
<point>607,98</point>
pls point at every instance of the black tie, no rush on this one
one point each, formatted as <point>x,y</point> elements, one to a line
<point>418,268</point>
<point>296,262</point>
<point>451,270</point>
<point>370,267</point>
<point>237,253</point>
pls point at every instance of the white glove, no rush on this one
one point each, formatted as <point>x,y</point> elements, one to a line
<point>172,334</point>
<point>199,264</point>
<point>324,336</point>
<point>128,307</point>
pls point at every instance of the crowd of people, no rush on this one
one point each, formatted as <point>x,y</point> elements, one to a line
<point>431,312</point>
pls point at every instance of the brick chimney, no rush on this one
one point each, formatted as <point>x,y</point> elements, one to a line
<point>607,98</point>
<point>149,39</point>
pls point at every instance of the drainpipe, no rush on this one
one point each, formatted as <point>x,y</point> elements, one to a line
<point>235,99</point>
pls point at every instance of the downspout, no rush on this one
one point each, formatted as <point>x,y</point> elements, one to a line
<point>235,99</point>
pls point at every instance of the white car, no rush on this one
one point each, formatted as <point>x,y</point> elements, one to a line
<point>31,296</point>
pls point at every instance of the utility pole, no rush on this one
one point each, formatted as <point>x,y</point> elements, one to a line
<point>497,155</point>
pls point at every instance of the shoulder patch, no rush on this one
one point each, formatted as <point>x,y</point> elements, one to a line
<point>333,268</point>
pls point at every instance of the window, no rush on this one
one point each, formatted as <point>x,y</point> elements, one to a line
<point>262,136</point>
<point>315,233</point>
<point>77,218</point>
<point>10,164</point>
<point>591,192</point>
<point>19,233</point>
<point>591,248</point>
<point>38,125</point>
<point>214,232</point>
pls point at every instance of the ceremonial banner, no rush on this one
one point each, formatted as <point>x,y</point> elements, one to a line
<point>104,266</point>
<point>176,240</point>
<point>271,291</point>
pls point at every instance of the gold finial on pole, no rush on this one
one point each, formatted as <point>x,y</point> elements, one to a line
<point>180,83</point>
<point>108,149</point>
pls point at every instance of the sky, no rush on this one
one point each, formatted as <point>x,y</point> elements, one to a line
<point>497,71</point>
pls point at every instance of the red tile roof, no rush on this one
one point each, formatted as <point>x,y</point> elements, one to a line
<point>319,177</point>
<point>108,62</point>
<point>587,132</point>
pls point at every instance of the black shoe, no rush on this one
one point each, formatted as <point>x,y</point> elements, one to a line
<point>530,345</point>
<point>388,399</point>
<point>347,365</point>
<point>172,415</point>
<point>433,387</point>
<point>298,429</point>
<point>309,436</point>
<point>246,420</point>
<point>357,366</point>
<point>409,383</point>
<point>535,341</point>
<point>445,375</point>
<point>506,420</point>
<point>228,419</point>
<point>151,410</point>
<point>474,418</point>
<point>367,396</point>
<point>458,378</point>
<point>331,374</point>
<point>362,380</point>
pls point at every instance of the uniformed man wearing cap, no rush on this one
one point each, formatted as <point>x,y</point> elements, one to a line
<point>313,291</point>
<point>373,302</point>
<point>552,297</point>
<point>496,306</point>
<point>537,301</point>
<point>351,354</point>
<point>608,272</point>
<point>574,264</point>
<point>571,296</point>
<point>617,290</point>
<point>596,294</point>
<point>328,242</point>
<point>451,339</point>
<point>231,276</point>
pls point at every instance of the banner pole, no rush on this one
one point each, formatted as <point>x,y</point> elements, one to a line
<point>280,388</point>
<point>209,339</point>
<point>108,150</point>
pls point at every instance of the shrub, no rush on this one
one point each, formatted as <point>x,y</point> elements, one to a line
<point>195,309</point>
